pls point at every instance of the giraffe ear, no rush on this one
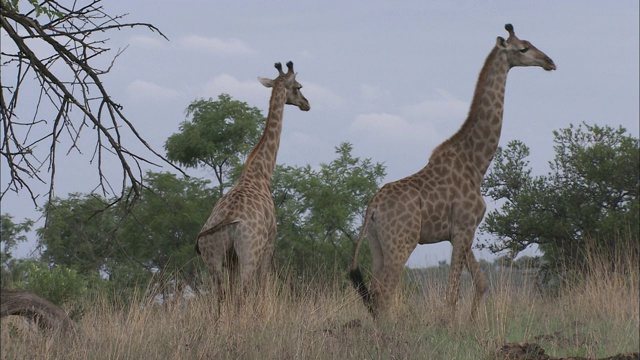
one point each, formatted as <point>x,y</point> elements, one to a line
<point>500,42</point>
<point>266,82</point>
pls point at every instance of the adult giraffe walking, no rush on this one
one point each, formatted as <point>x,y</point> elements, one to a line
<point>239,235</point>
<point>443,200</point>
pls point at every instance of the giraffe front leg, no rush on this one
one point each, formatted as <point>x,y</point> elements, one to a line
<point>461,255</point>
<point>458,257</point>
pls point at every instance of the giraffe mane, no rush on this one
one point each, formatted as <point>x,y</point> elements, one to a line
<point>276,82</point>
<point>472,116</point>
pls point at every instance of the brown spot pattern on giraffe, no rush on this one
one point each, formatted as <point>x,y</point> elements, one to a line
<point>239,235</point>
<point>443,202</point>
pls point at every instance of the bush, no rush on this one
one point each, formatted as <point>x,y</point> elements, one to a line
<point>58,284</point>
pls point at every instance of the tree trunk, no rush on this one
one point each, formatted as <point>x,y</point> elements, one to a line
<point>44,313</point>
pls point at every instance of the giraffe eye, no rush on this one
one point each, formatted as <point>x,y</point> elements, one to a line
<point>524,50</point>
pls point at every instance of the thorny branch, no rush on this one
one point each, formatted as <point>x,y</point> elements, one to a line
<point>72,100</point>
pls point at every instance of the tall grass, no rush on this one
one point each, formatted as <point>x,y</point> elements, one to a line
<point>596,317</point>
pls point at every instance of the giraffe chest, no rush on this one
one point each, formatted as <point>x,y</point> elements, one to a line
<point>435,225</point>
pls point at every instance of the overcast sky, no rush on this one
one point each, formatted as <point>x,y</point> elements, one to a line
<point>393,78</point>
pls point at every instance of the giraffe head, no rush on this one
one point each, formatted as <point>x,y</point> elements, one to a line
<point>523,53</point>
<point>291,86</point>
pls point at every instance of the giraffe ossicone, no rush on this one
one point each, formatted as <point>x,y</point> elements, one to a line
<point>237,241</point>
<point>443,201</point>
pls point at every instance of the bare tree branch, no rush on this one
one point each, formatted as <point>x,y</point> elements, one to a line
<point>71,84</point>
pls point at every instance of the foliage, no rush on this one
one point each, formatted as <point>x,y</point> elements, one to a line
<point>320,211</point>
<point>161,231</point>
<point>59,284</point>
<point>528,262</point>
<point>319,215</point>
<point>154,243</point>
<point>80,233</point>
<point>59,58</point>
<point>504,261</point>
<point>10,235</point>
<point>585,205</point>
<point>219,136</point>
<point>48,8</point>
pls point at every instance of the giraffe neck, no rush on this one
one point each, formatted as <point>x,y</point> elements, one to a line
<point>479,135</point>
<point>262,160</point>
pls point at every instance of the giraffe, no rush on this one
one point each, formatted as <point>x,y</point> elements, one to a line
<point>239,235</point>
<point>442,201</point>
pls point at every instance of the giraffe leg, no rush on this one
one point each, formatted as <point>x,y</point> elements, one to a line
<point>461,255</point>
<point>250,247</point>
<point>220,259</point>
<point>232,278</point>
<point>267,266</point>
<point>458,257</point>
<point>377,259</point>
<point>255,281</point>
<point>215,264</point>
<point>479,282</point>
<point>387,272</point>
<point>384,285</point>
<point>453,282</point>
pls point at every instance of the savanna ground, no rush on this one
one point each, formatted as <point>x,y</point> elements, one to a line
<point>594,318</point>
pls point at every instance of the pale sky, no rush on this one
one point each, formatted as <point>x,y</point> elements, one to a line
<point>393,78</point>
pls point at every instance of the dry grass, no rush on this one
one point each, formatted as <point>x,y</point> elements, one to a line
<point>595,318</point>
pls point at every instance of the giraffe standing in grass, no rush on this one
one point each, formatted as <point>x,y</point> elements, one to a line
<point>443,200</point>
<point>239,236</point>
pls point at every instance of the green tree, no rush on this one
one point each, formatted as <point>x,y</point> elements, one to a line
<point>11,234</point>
<point>162,228</point>
<point>527,262</point>
<point>82,236</point>
<point>586,206</point>
<point>58,284</point>
<point>80,233</point>
<point>504,261</point>
<point>320,211</point>
<point>154,243</point>
<point>219,135</point>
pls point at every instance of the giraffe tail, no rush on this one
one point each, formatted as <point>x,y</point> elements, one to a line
<point>358,282</point>
<point>356,275</point>
<point>211,230</point>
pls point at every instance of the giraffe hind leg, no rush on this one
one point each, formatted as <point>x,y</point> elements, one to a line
<point>373,297</point>
<point>387,271</point>
<point>251,245</point>
<point>217,253</point>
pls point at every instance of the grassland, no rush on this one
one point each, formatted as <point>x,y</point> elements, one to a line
<point>594,318</point>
